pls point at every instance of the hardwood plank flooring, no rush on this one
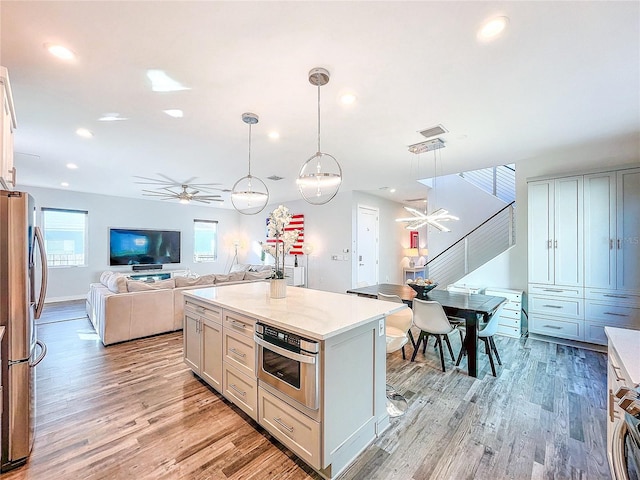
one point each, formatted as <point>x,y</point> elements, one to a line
<point>135,411</point>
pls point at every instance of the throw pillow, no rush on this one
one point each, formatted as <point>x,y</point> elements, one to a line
<point>236,276</point>
<point>117,283</point>
<point>104,278</point>
<point>239,267</point>
<point>139,286</point>
<point>222,278</point>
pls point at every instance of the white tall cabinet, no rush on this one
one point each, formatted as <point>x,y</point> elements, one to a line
<point>583,259</point>
<point>7,126</point>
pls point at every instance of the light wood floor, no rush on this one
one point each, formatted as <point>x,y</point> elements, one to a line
<point>134,411</point>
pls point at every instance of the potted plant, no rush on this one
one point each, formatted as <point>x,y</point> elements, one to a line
<point>279,243</point>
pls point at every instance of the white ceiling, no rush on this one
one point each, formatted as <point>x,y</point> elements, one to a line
<point>563,74</point>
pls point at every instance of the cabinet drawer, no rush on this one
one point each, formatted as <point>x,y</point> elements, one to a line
<point>571,329</point>
<point>510,322</point>
<point>513,296</point>
<point>565,308</point>
<point>611,296</point>
<point>209,312</point>
<point>512,314</point>
<point>509,331</point>
<point>294,429</point>
<point>241,390</point>
<point>612,315</point>
<point>571,292</point>
<point>594,333</point>
<point>239,323</point>
<point>239,351</point>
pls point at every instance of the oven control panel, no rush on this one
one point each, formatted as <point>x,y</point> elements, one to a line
<point>285,339</point>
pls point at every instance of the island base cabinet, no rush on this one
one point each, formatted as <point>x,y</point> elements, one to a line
<point>212,354</point>
<point>241,390</point>
<point>295,430</point>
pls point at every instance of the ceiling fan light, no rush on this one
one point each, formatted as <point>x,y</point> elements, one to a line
<point>184,201</point>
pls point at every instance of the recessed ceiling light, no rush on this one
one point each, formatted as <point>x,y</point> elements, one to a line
<point>85,133</point>
<point>274,135</point>
<point>393,190</point>
<point>492,28</point>
<point>64,184</point>
<point>111,117</point>
<point>174,112</point>
<point>63,53</point>
<point>348,99</point>
<point>72,166</point>
<point>161,82</point>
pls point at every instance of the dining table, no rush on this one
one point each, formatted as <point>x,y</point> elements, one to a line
<point>468,306</point>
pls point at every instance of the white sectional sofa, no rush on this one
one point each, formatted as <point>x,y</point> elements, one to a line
<point>121,309</point>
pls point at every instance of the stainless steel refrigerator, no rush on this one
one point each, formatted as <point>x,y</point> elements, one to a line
<point>23,283</point>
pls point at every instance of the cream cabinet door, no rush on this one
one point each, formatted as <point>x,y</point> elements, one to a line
<point>628,230</point>
<point>212,354</point>
<point>192,341</point>
<point>540,220</point>
<point>568,234</point>
<point>600,230</point>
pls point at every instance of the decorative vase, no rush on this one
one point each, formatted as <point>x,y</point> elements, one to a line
<point>278,288</point>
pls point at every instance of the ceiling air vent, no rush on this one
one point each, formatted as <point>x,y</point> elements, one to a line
<point>433,131</point>
<point>427,146</point>
<point>275,178</point>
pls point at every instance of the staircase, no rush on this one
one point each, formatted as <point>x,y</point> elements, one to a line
<point>499,181</point>
<point>483,243</point>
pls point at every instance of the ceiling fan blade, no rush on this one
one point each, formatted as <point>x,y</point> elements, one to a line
<point>188,182</point>
<point>153,181</point>
<point>169,179</point>
<point>199,200</point>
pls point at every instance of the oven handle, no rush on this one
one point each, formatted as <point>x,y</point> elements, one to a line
<point>284,352</point>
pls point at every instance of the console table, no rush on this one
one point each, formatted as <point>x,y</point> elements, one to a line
<point>414,272</point>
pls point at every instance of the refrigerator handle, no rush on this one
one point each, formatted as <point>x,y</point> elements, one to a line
<point>43,283</point>
<point>43,353</point>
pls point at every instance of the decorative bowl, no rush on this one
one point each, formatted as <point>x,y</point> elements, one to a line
<point>422,290</point>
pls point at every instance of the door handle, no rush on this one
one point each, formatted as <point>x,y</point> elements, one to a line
<point>44,273</point>
<point>43,353</point>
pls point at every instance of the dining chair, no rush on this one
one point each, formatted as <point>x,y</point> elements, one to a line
<point>398,333</point>
<point>486,335</point>
<point>430,318</point>
<point>398,326</point>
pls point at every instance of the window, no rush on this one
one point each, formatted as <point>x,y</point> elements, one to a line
<point>65,237</point>
<point>205,236</point>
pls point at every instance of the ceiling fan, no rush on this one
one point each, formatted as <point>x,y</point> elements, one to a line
<point>185,192</point>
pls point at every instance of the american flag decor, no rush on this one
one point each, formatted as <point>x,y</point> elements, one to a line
<point>297,223</point>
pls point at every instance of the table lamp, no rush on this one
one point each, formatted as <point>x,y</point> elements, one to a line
<point>411,253</point>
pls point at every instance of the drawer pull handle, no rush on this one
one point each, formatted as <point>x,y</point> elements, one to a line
<point>236,324</point>
<point>553,306</point>
<point>552,326</point>
<point>233,386</point>
<point>236,352</point>
<point>616,314</point>
<point>200,309</point>
<point>614,296</point>
<point>555,290</point>
<point>615,372</point>
<point>279,421</point>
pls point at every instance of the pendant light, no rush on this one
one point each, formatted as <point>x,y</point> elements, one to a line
<point>320,176</point>
<point>249,194</point>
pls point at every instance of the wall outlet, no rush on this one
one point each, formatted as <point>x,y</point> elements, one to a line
<point>381,327</point>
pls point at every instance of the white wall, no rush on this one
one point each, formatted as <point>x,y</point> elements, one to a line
<point>330,229</point>
<point>469,203</point>
<point>104,212</point>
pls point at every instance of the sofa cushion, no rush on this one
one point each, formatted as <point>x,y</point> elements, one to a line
<point>140,286</point>
<point>257,275</point>
<point>104,277</point>
<point>191,282</point>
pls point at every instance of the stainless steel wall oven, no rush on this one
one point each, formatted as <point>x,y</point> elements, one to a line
<point>289,363</point>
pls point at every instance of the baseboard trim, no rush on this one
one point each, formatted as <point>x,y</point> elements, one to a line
<point>64,299</point>
<point>569,343</point>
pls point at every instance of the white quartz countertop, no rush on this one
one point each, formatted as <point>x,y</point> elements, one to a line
<point>627,343</point>
<point>314,314</point>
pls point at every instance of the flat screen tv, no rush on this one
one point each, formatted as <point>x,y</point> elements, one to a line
<point>143,247</point>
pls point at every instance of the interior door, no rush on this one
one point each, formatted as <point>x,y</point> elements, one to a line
<point>367,251</point>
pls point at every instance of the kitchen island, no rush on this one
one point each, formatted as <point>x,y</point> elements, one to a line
<point>342,376</point>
